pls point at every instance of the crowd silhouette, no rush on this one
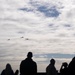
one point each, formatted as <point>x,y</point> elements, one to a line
<point>29,67</point>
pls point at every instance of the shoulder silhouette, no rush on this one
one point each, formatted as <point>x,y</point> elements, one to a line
<point>71,67</point>
<point>28,66</point>
<point>51,70</point>
<point>8,70</point>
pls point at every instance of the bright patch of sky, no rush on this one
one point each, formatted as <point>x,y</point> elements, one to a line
<point>41,26</point>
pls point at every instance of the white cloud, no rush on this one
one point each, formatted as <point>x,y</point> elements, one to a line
<point>47,34</point>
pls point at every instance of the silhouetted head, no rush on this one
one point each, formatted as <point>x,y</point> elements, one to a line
<point>8,66</point>
<point>52,61</point>
<point>29,55</point>
<point>65,64</point>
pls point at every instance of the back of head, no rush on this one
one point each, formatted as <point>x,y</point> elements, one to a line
<point>52,61</point>
<point>8,66</point>
<point>29,55</point>
<point>8,70</point>
<point>65,64</point>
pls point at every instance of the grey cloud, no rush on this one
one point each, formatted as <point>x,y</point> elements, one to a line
<point>62,35</point>
<point>67,25</point>
<point>26,9</point>
<point>53,27</point>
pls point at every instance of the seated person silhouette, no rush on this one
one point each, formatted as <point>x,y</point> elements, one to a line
<point>51,70</point>
<point>8,70</point>
<point>64,69</point>
<point>28,66</point>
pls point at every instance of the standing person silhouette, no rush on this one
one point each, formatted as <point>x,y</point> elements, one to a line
<point>50,69</point>
<point>28,66</point>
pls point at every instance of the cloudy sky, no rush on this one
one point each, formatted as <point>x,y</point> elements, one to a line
<point>45,27</point>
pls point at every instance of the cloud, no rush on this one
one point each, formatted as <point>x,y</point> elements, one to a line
<point>48,11</point>
<point>39,17</point>
<point>48,24</point>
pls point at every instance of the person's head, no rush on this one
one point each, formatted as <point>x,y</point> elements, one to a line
<point>8,66</point>
<point>52,61</point>
<point>65,64</point>
<point>29,55</point>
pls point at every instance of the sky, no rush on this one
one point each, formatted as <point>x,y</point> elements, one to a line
<point>45,27</point>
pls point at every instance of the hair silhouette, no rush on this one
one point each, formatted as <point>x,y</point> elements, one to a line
<point>8,70</point>
<point>28,66</point>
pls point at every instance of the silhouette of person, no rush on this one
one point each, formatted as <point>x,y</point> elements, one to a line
<point>64,69</point>
<point>71,67</point>
<point>28,66</point>
<point>8,70</point>
<point>50,69</point>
